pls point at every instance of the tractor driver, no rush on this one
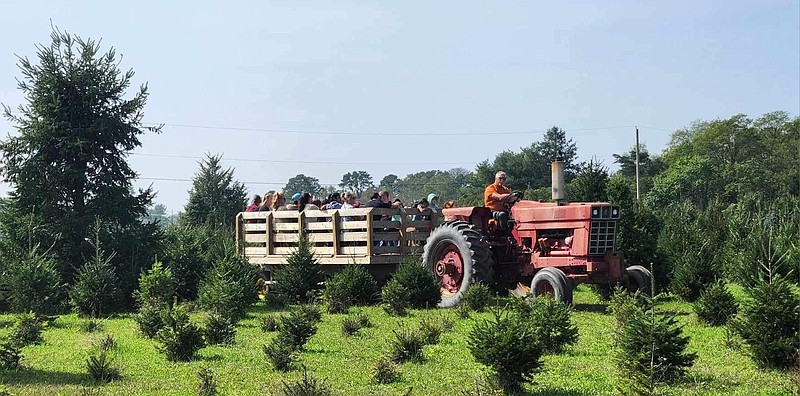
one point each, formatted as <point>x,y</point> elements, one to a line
<point>496,197</point>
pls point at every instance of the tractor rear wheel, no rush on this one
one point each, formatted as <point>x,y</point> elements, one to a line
<point>457,256</point>
<point>552,282</point>
<point>639,279</point>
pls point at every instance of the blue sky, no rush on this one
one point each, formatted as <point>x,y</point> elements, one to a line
<point>406,74</point>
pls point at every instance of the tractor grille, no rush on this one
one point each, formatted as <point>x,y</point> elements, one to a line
<point>602,236</point>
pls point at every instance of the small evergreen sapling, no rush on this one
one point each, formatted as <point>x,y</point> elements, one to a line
<point>296,329</point>
<point>307,386</point>
<point>509,347</point>
<point>157,286</point>
<point>385,371</point>
<point>350,286</point>
<point>716,305</point>
<point>477,297</point>
<point>770,324</point>
<point>219,330</point>
<point>180,339</point>
<point>95,291</point>
<point>407,345</point>
<point>553,324</point>
<point>207,386</point>
<point>301,274</point>
<point>27,330</point>
<point>411,286</point>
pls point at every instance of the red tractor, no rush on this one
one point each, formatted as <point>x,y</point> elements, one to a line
<point>546,249</point>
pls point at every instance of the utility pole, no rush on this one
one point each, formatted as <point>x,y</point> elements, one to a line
<point>637,164</point>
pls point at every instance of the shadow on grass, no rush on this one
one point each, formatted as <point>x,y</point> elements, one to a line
<point>210,358</point>
<point>596,308</point>
<point>35,376</point>
<point>554,392</point>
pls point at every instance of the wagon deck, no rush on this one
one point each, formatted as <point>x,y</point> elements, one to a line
<point>337,236</point>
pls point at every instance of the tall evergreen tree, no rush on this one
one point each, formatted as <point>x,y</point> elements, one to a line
<point>215,197</point>
<point>555,144</point>
<point>590,184</point>
<point>68,163</point>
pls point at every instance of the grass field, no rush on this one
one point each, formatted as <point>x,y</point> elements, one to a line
<point>58,365</point>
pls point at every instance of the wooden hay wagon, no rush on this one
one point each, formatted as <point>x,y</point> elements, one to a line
<point>377,238</point>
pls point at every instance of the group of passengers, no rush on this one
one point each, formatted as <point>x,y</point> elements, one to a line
<point>276,201</point>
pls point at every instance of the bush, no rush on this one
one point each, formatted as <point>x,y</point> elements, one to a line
<point>100,364</point>
<point>157,286</point>
<point>90,326</point>
<point>183,255</point>
<point>351,286</point>
<point>352,324</point>
<point>229,287</point>
<point>280,354</point>
<point>407,345</point>
<point>219,330</point>
<point>95,291</point>
<point>432,328</point>
<point>10,355</point>
<point>385,371</point>
<point>31,283</point>
<point>149,319</point>
<point>411,286</point>
<point>301,275</point>
<point>622,305</point>
<point>307,386</point>
<point>27,330</point>
<point>508,347</point>
<point>716,305</point>
<point>207,386</point>
<point>652,345</point>
<point>770,324</point>
<point>463,311</point>
<point>477,297</point>
<point>311,311</point>
<point>296,329</point>
<point>179,338</point>
<point>551,320</point>
<point>270,323</point>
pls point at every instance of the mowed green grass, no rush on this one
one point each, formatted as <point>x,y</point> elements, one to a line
<point>587,368</point>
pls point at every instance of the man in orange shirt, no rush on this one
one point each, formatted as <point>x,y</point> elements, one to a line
<point>497,196</point>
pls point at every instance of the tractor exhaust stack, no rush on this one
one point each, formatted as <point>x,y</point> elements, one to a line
<point>557,176</point>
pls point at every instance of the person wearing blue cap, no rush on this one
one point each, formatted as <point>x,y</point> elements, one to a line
<point>295,201</point>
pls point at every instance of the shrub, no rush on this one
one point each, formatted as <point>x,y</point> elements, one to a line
<point>311,311</point>
<point>770,324</point>
<point>280,354</point>
<point>716,305</point>
<point>652,344</point>
<point>207,386</point>
<point>307,386</point>
<point>157,286</point>
<point>407,345</point>
<point>229,287</point>
<point>270,323</point>
<point>622,305</point>
<point>395,299</point>
<point>296,329</point>
<point>463,311</point>
<point>411,286</point>
<point>150,319</point>
<point>553,325</point>
<point>27,330</point>
<point>385,371</point>
<point>10,355</point>
<point>90,326</point>
<point>351,286</point>
<point>31,283</point>
<point>179,338</point>
<point>477,297</point>
<point>100,364</point>
<point>508,347</point>
<point>275,301</point>
<point>95,290</point>
<point>219,330</point>
<point>363,319</point>
<point>301,274</point>
<point>432,328</point>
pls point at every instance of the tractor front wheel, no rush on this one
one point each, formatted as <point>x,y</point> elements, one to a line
<point>639,279</point>
<point>552,282</point>
<point>457,256</point>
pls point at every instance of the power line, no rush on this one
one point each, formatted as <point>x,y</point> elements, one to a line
<point>349,133</point>
<point>284,183</point>
<point>302,162</point>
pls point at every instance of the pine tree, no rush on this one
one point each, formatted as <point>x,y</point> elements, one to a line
<point>215,197</point>
<point>301,274</point>
<point>555,144</point>
<point>95,291</point>
<point>68,165</point>
<point>716,305</point>
<point>770,324</point>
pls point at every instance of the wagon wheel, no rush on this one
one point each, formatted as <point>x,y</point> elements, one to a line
<point>457,256</point>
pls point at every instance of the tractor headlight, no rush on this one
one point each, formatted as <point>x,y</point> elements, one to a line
<point>614,212</point>
<point>595,212</point>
